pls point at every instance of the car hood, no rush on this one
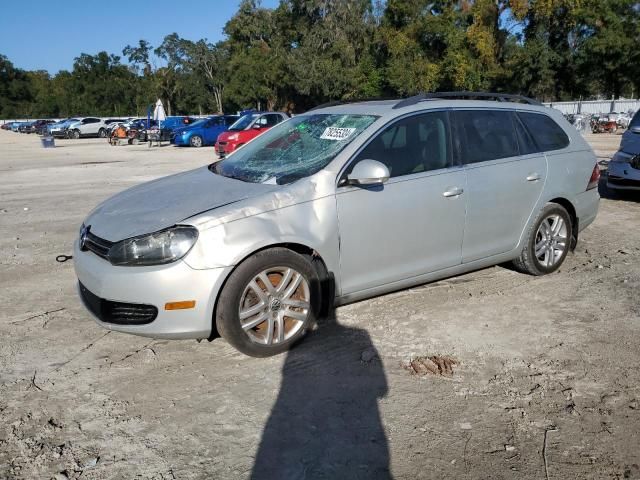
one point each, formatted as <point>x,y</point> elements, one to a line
<point>162,203</point>
<point>224,136</point>
<point>630,142</point>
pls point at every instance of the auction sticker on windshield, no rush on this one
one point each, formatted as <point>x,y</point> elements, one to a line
<point>337,133</point>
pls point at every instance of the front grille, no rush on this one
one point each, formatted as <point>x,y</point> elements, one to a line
<point>222,144</point>
<point>97,245</point>
<point>117,312</point>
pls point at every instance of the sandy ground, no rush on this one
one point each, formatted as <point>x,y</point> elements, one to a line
<point>546,383</point>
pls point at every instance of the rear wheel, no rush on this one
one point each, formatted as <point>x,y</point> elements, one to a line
<point>269,302</point>
<point>195,141</point>
<point>102,133</point>
<point>548,242</point>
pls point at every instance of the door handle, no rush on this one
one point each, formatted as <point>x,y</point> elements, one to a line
<point>453,192</point>
<point>533,177</point>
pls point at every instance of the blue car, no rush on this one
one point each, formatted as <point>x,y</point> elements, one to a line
<point>172,123</point>
<point>203,132</point>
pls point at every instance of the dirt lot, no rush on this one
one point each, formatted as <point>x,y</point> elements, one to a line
<point>545,385</point>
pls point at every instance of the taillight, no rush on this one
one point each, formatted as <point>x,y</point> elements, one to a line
<point>595,178</point>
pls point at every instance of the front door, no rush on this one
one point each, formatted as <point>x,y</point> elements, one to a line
<point>212,129</point>
<point>414,223</point>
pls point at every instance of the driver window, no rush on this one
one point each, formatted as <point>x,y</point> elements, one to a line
<point>416,144</point>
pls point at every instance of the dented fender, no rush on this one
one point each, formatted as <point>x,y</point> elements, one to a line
<point>303,213</point>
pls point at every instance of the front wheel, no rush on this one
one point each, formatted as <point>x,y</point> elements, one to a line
<point>195,141</point>
<point>75,134</point>
<point>269,302</point>
<point>548,242</point>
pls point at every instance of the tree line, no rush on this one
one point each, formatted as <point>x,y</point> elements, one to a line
<point>307,52</point>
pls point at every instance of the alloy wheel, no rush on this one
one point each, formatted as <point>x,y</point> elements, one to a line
<point>274,305</point>
<point>551,240</point>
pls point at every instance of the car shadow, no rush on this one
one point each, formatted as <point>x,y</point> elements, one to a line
<point>325,422</point>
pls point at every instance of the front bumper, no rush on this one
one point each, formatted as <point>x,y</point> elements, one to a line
<point>225,148</point>
<point>623,176</point>
<point>180,140</point>
<point>153,286</point>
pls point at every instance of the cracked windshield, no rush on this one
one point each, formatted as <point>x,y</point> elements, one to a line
<point>295,149</point>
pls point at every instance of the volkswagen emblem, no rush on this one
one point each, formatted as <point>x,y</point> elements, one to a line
<point>84,232</point>
<point>275,305</point>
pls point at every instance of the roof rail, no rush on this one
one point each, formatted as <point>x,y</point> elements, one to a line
<point>354,100</point>
<point>500,97</point>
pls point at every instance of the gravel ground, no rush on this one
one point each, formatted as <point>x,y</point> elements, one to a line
<point>512,376</point>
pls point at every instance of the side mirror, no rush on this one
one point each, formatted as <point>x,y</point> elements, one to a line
<point>369,172</point>
<point>257,126</point>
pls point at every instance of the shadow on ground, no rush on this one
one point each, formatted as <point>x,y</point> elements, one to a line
<point>325,422</point>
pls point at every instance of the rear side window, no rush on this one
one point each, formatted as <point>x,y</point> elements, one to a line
<point>273,120</point>
<point>486,135</point>
<point>525,141</point>
<point>547,134</point>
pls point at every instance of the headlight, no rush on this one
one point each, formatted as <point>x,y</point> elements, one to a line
<point>622,157</point>
<point>157,248</point>
<point>235,136</point>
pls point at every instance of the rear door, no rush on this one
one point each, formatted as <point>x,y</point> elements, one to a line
<point>505,178</point>
<point>412,224</point>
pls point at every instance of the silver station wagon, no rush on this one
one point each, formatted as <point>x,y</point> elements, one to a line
<point>339,204</point>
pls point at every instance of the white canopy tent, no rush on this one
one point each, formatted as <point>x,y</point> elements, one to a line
<point>159,114</point>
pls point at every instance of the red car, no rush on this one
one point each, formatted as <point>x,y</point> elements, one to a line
<point>245,129</point>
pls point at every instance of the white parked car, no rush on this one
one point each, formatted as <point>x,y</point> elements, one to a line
<point>87,127</point>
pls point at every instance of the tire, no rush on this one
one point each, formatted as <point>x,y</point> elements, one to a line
<point>195,141</point>
<point>552,247</point>
<point>102,133</point>
<point>294,283</point>
<point>75,134</point>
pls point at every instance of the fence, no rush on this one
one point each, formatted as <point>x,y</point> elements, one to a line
<point>596,106</point>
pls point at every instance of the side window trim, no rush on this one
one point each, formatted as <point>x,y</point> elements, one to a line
<point>341,177</point>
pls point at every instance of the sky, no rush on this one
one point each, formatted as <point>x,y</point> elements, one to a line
<point>48,35</point>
